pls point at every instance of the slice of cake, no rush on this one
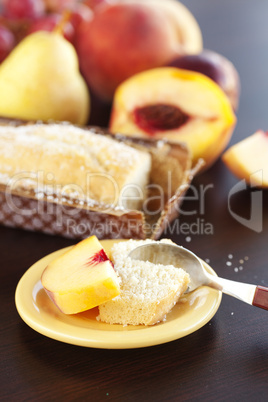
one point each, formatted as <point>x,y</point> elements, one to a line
<point>64,159</point>
<point>147,291</point>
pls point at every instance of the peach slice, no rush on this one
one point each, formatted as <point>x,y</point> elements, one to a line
<point>81,278</point>
<point>178,105</point>
<point>248,157</point>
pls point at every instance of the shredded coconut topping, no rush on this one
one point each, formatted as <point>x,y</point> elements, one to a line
<point>68,160</point>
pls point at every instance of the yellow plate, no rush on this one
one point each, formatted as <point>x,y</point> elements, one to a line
<point>82,329</point>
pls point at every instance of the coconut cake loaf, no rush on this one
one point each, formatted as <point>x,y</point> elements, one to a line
<point>61,158</point>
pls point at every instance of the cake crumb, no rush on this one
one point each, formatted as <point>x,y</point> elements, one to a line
<point>148,290</point>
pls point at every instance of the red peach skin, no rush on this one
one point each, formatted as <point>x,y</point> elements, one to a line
<point>129,37</point>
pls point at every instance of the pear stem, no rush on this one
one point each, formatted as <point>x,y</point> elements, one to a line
<point>64,19</point>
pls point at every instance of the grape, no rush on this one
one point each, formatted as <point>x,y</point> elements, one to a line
<point>59,5</point>
<point>79,13</point>
<point>7,42</point>
<point>49,22</point>
<point>20,9</point>
<point>93,4</point>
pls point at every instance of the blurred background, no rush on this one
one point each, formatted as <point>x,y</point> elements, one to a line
<point>244,41</point>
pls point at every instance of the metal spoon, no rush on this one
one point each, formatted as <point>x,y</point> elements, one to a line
<point>168,254</point>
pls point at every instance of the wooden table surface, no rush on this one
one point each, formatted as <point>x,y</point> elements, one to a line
<point>225,360</point>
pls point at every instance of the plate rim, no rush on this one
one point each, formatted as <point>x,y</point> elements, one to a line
<point>117,339</point>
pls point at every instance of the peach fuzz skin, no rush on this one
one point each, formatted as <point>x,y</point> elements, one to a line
<point>205,119</point>
<point>188,32</point>
<point>124,39</point>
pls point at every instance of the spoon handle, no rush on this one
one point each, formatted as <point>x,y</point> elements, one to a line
<point>251,294</point>
<point>261,297</point>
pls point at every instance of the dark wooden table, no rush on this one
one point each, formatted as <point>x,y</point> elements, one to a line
<point>227,359</point>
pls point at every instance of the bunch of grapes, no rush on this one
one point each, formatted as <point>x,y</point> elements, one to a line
<point>19,18</point>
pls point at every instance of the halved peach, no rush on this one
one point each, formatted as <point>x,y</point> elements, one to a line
<point>215,66</point>
<point>248,157</point>
<point>178,105</point>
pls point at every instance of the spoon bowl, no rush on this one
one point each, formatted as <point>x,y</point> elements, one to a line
<point>180,257</point>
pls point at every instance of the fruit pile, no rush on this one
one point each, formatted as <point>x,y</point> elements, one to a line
<point>128,54</point>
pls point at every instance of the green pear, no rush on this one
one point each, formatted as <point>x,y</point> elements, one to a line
<point>40,80</point>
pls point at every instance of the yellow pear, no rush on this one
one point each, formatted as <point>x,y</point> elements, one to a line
<point>40,80</point>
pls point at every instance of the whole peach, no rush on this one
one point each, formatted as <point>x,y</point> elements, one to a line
<point>188,32</point>
<point>121,40</point>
